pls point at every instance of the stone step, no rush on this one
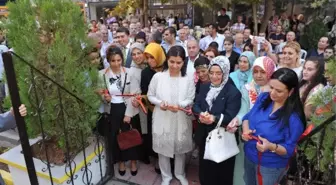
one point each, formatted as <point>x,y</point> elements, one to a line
<point>9,138</point>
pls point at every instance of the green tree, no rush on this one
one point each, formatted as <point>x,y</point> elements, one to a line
<point>210,4</point>
<point>312,33</point>
<point>124,6</point>
<point>50,34</point>
<point>269,6</point>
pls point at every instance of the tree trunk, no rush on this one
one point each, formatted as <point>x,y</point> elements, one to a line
<point>233,10</point>
<point>255,19</point>
<point>269,6</point>
<point>145,12</point>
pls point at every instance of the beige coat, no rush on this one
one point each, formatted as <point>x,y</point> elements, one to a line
<point>172,132</point>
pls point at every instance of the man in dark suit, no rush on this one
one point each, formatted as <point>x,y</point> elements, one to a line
<point>124,40</point>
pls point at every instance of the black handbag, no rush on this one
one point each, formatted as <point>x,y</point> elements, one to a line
<point>103,118</point>
<point>102,123</point>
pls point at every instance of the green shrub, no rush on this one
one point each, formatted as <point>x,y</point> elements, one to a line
<point>50,34</point>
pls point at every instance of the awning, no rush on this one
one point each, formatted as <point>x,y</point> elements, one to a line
<point>104,3</point>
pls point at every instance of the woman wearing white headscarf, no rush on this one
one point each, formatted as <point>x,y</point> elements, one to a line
<point>216,98</point>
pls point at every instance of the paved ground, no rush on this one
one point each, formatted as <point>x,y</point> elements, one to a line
<point>147,176</point>
<point>116,183</point>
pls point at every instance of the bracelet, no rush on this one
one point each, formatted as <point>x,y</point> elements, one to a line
<point>276,147</point>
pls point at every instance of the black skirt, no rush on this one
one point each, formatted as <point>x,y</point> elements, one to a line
<point>117,124</point>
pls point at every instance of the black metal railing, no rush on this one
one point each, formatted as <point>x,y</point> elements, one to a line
<point>307,172</point>
<point>100,144</point>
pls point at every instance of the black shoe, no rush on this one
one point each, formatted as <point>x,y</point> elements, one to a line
<point>122,173</point>
<point>158,171</point>
<point>134,173</point>
<point>146,160</point>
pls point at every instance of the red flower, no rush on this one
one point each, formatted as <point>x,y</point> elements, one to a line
<point>253,96</point>
<point>334,99</point>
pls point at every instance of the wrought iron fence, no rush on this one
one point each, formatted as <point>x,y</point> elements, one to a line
<point>92,163</point>
<point>307,172</point>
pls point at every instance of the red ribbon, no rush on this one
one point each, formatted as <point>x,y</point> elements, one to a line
<point>138,98</point>
<point>189,112</point>
<point>260,180</point>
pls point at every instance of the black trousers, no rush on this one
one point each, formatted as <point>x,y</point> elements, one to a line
<point>117,124</point>
<point>212,173</point>
<point>148,138</point>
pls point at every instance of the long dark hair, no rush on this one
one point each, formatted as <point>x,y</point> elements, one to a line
<point>317,79</point>
<point>112,51</point>
<point>293,104</point>
<point>177,51</point>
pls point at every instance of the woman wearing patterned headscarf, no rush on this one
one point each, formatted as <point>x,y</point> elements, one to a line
<point>243,75</point>
<point>262,70</point>
<point>216,98</point>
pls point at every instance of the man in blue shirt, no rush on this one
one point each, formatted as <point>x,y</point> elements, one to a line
<point>238,46</point>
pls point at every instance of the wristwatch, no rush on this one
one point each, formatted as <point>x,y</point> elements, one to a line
<point>276,147</point>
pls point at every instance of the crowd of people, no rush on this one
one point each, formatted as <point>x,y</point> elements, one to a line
<point>259,87</point>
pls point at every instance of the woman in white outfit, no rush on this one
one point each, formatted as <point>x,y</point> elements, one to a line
<point>172,129</point>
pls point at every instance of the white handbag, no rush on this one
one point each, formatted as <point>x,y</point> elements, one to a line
<point>220,145</point>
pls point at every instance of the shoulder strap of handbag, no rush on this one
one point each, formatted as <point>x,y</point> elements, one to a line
<point>220,121</point>
<point>104,76</point>
<point>123,89</point>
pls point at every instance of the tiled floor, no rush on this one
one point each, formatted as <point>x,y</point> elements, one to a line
<point>147,176</point>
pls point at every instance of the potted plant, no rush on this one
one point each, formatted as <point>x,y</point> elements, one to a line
<point>51,36</point>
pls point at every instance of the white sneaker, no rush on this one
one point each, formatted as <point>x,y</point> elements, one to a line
<point>165,182</point>
<point>182,180</point>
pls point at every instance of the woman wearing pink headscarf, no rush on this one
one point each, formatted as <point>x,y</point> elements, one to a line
<point>262,70</point>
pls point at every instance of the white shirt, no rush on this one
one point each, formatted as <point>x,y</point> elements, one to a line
<point>110,36</point>
<point>106,64</point>
<point>113,88</point>
<point>128,47</point>
<point>184,45</point>
<point>208,39</point>
<point>190,67</point>
<point>279,47</point>
<point>104,46</point>
<point>202,44</point>
<point>171,21</point>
